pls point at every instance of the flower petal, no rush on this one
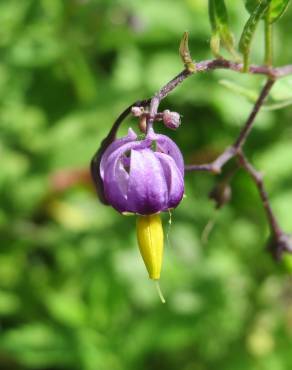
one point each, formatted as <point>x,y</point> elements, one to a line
<point>167,146</point>
<point>173,178</point>
<point>115,145</point>
<point>147,189</point>
<point>115,183</point>
<point>115,179</point>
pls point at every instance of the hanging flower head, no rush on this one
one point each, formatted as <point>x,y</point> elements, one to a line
<point>143,177</point>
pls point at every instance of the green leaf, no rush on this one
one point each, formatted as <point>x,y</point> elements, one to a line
<point>277,99</point>
<point>282,89</point>
<point>281,95</point>
<point>219,23</point>
<point>277,8</point>
<point>251,5</point>
<point>212,15</point>
<point>249,94</point>
<point>249,30</point>
<point>279,105</point>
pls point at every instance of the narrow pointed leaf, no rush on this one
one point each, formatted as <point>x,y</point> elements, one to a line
<point>215,38</point>
<point>251,5</point>
<point>278,105</point>
<point>280,97</point>
<point>219,23</point>
<point>277,8</point>
<point>222,22</point>
<point>212,15</point>
<point>250,28</point>
<point>250,94</point>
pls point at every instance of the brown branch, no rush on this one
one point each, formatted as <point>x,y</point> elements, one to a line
<point>258,104</point>
<point>258,180</point>
<point>214,167</point>
<point>280,241</point>
<point>272,72</point>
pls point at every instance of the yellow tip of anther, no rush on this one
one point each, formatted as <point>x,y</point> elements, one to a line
<point>150,240</point>
<point>159,291</point>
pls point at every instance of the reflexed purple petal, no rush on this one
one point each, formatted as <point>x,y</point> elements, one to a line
<point>115,181</point>
<point>115,145</point>
<point>114,173</point>
<point>147,189</point>
<point>173,178</point>
<point>167,146</point>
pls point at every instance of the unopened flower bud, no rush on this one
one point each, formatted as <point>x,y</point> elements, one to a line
<point>137,111</point>
<point>171,119</point>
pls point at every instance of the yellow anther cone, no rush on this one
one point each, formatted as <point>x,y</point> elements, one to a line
<point>150,240</point>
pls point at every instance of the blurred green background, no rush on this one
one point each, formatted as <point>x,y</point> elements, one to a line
<point>74,293</point>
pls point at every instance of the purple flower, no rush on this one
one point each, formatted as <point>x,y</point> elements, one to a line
<point>143,177</point>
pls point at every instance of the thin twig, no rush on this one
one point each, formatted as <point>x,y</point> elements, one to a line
<point>280,241</point>
<point>273,72</point>
<point>199,167</point>
<point>214,167</point>
<point>258,180</point>
<point>258,104</point>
